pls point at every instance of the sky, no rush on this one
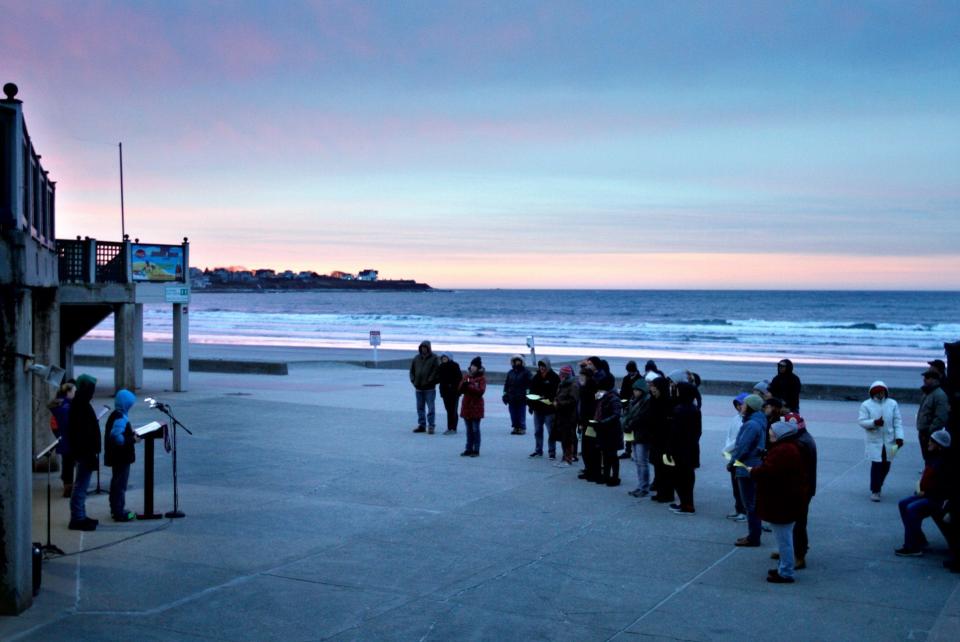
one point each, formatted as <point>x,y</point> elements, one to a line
<point>556,144</point>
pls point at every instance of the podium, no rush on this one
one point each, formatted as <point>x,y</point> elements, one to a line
<point>149,433</point>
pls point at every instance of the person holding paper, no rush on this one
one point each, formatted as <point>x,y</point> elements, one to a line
<point>543,393</point>
<point>84,437</point>
<point>746,453</point>
<point>883,434</point>
<point>119,453</point>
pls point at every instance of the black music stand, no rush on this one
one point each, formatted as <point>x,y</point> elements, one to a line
<point>176,513</point>
<point>150,437</point>
<point>49,549</point>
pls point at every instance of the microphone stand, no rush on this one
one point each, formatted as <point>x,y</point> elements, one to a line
<point>49,549</point>
<point>165,409</point>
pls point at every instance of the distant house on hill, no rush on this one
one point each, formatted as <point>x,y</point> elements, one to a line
<point>306,275</point>
<point>265,274</point>
<point>288,274</point>
<point>343,276</point>
<point>367,275</point>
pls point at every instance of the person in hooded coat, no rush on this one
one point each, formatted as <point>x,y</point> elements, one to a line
<point>449,377</point>
<point>635,421</point>
<point>59,421</point>
<point>472,387</point>
<point>119,453</point>
<point>684,446</point>
<point>566,420</point>
<point>658,426</point>
<point>544,385</point>
<point>515,388</point>
<point>880,418</point>
<point>588,404</point>
<point>626,397</point>
<point>607,426</point>
<point>424,375</point>
<point>786,385</point>
<point>747,452</point>
<point>84,436</point>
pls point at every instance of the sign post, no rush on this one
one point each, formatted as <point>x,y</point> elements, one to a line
<point>375,341</point>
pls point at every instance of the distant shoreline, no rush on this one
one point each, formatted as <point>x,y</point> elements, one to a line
<point>277,285</point>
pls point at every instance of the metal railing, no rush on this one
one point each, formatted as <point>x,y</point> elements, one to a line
<point>92,261</point>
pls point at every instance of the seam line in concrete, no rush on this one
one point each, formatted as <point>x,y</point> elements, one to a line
<point>675,592</point>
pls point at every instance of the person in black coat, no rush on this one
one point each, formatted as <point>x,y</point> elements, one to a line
<point>450,376</point>
<point>786,385</point>
<point>626,395</point>
<point>659,431</point>
<point>684,446</point>
<point>609,434</point>
<point>85,444</point>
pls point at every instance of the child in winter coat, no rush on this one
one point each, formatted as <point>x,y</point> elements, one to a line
<point>59,422</point>
<point>119,454</point>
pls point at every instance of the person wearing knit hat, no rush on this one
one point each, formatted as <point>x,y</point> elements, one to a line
<point>636,429</point>
<point>739,513</point>
<point>762,389</point>
<point>472,387</point>
<point>782,491</point>
<point>747,450</point>
<point>934,490</point>
<point>880,419</point>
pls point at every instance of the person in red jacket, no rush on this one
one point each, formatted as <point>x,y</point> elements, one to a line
<point>472,387</point>
<point>930,498</point>
<point>782,493</point>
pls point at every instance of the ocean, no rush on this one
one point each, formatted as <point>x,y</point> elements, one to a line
<point>853,328</point>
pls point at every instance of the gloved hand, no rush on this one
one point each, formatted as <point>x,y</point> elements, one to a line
<point>506,399</point>
<point>899,443</point>
<point>878,422</point>
<point>729,468</point>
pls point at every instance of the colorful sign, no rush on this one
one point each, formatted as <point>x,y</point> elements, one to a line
<point>157,262</point>
<point>374,338</point>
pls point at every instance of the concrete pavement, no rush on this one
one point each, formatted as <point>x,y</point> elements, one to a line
<point>314,513</point>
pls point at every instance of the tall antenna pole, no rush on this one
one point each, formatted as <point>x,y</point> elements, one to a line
<point>123,223</point>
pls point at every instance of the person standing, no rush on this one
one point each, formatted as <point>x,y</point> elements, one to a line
<point>607,426</point>
<point>84,438</point>
<point>739,513</point>
<point>626,397</point>
<point>119,454</point>
<point>472,387</point>
<point>424,375</point>
<point>879,416</point>
<point>544,385</point>
<point>636,422</point>
<point>934,410</point>
<point>781,481</point>
<point>59,424</point>
<point>566,420</point>
<point>685,446</point>
<point>515,394</point>
<point>449,377</point>
<point>751,441</point>
<point>659,430</point>
<point>588,404</point>
<point>786,385</point>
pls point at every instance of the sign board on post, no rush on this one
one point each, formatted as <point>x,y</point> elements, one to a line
<point>157,262</point>
<point>176,294</point>
<point>375,341</point>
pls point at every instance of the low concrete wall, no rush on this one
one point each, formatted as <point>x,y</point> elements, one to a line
<point>196,365</point>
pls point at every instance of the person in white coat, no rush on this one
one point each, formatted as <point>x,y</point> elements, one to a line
<point>883,432</point>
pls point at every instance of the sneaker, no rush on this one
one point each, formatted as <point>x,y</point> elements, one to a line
<point>874,497</point>
<point>683,511</point>
<point>765,528</point>
<point>515,431</point>
<point>737,517</point>
<point>420,429</point>
<point>522,432</point>
<point>613,482</point>
<point>674,506</point>
<point>535,454</point>
<point>776,578</point>
<point>450,432</point>
<point>553,455</point>
<point>82,525</point>
<point>775,555</point>
<point>128,516</point>
<point>799,563</point>
<point>635,493</point>
<point>466,453</point>
<point>475,454</point>
<point>907,552</point>
<point>431,430</point>
<point>562,464</point>
<point>745,541</point>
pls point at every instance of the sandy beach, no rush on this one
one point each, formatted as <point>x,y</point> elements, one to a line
<point>314,513</point>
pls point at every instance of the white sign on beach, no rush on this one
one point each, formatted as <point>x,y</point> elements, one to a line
<point>374,337</point>
<point>176,294</point>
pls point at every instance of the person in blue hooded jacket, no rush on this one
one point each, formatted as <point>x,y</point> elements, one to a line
<point>119,454</point>
<point>747,452</point>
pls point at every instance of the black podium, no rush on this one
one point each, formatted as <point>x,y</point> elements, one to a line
<point>150,433</point>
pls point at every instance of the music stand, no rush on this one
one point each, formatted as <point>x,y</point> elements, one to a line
<point>105,410</point>
<point>165,409</point>
<point>49,549</point>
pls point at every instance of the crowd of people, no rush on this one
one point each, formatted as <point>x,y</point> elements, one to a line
<point>655,419</point>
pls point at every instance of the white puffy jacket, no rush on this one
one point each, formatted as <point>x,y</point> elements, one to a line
<point>885,435</point>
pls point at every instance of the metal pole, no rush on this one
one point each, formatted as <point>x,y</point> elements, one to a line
<point>123,223</point>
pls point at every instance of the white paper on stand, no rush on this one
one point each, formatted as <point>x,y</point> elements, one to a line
<point>147,428</point>
<point>103,412</point>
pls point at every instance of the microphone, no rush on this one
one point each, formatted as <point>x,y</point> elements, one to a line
<point>153,403</point>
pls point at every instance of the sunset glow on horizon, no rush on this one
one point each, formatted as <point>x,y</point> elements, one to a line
<point>742,145</point>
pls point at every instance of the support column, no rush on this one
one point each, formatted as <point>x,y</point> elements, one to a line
<point>137,346</point>
<point>123,348</point>
<point>16,479</point>
<point>46,350</point>
<point>181,348</point>
<point>67,352</point>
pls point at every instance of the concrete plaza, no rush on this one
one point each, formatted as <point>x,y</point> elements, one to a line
<point>314,513</point>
